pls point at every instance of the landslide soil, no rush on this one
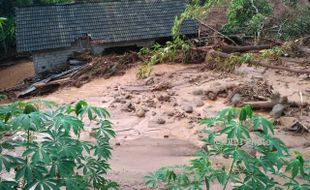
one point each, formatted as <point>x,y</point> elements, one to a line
<point>153,118</point>
<point>12,75</point>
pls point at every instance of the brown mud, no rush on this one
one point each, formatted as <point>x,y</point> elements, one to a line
<point>156,119</point>
<point>12,75</point>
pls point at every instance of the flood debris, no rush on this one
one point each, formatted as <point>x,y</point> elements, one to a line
<point>84,68</point>
<point>298,127</point>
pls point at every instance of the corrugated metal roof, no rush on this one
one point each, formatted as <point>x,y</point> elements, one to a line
<point>57,26</point>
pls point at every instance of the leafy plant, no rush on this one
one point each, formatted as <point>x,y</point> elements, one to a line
<point>2,34</point>
<point>257,158</point>
<point>160,54</point>
<point>247,16</point>
<point>49,152</point>
<point>296,23</point>
<point>2,97</point>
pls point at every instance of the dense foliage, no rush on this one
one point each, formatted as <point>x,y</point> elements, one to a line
<point>295,23</point>
<point>46,151</point>
<point>258,159</point>
<point>245,18</point>
<point>247,15</point>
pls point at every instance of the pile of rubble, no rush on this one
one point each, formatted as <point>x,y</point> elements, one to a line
<point>83,68</point>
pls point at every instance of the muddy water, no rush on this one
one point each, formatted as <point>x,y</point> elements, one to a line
<point>167,132</point>
<point>15,74</point>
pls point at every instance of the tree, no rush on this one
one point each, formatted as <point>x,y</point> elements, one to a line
<point>2,34</point>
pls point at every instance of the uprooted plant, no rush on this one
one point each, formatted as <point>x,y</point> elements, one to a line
<point>47,152</point>
<point>160,53</point>
<point>245,20</point>
<point>258,160</point>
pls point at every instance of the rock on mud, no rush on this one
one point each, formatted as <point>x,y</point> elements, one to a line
<point>170,113</point>
<point>198,92</point>
<point>212,96</point>
<point>140,112</point>
<point>200,103</point>
<point>277,111</point>
<point>129,107</point>
<point>188,108</point>
<point>161,121</point>
<point>236,99</point>
<point>149,81</point>
<point>163,98</point>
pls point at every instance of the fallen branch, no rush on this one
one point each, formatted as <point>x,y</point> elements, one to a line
<point>225,55</point>
<point>242,49</point>
<point>267,105</point>
<point>206,25</point>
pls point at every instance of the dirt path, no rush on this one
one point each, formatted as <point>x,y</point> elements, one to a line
<point>12,75</point>
<point>156,120</point>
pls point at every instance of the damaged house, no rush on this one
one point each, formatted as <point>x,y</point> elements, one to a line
<point>52,33</point>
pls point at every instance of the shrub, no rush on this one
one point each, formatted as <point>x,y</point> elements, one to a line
<point>265,164</point>
<point>48,152</point>
<point>295,24</point>
<point>247,15</point>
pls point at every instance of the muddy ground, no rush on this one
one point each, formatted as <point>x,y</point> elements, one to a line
<point>16,73</point>
<point>156,119</point>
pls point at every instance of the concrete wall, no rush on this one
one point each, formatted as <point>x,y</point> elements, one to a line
<point>50,61</point>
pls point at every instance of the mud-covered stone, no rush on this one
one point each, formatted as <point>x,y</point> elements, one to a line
<point>277,111</point>
<point>236,99</point>
<point>198,92</point>
<point>188,108</point>
<point>161,121</point>
<point>140,112</point>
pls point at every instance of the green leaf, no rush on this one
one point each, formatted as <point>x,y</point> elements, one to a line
<point>103,149</point>
<point>207,183</point>
<point>242,115</point>
<point>8,185</point>
<point>65,167</point>
<point>246,111</point>
<point>296,166</point>
<point>44,183</point>
<point>67,122</point>
<point>171,176</point>
<point>7,161</point>
<point>105,129</point>
<point>76,182</point>
<point>264,123</point>
<point>29,108</point>
<point>79,107</point>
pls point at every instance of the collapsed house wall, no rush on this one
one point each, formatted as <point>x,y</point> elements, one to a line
<point>51,61</point>
<point>56,60</point>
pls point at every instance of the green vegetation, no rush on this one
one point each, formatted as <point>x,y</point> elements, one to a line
<point>295,24</point>
<point>160,54</point>
<point>47,152</point>
<point>248,16</point>
<point>245,18</point>
<point>258,160</point>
